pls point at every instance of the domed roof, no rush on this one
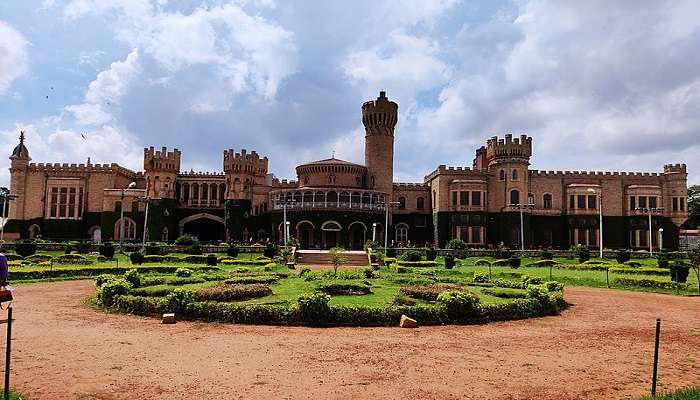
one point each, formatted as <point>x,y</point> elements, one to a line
<point>20,150</point>
<point>332,161</point>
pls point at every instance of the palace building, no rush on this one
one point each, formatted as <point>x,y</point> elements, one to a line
<point>335,202</point>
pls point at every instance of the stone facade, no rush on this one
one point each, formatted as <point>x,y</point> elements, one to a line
<point>335,202</point>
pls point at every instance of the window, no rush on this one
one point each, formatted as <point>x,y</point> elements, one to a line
<point>402,233</point>
<point>476,198</point>
<point>71,203</point>
<point>515,174</point>
<point>454,198</point>
<point>502,175</point>
<point>572,202</point>
<point>117,206</point>
<point>476,234</point>
<point>643,238</point>
<point>652,202</point>
<point>675,204</point>
<point>402,203</point>
<point>592,201</point>
<point>514,197</point>
<point>581,201</point>
<point>62,202</point>
<point>633,203</point>
<point>531,199</point>
<point>134,207</point>
<point>548,237</point>
<point>420,203</point>
<point>592,237</point>
<point>642,201</point>
<point>547,201</point>
<point>331,179</point>
<point>464,198</point>
<point>54,202</point>
<point>129,229</point>
<point>682,203</point>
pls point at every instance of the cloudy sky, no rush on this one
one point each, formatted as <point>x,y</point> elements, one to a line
<point>599,85</point>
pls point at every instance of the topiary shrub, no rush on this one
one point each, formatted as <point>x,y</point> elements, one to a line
<point>583,253</point>
<point>136,258</point>
<point>132,276</point>
<point>369,273</point>
<point>449,261</point>
<point>153,249</point>
<point>553,286</point>
<point>75,259</point>
<point>411,255</point>
<point>391,252</point>
<point>514,262</point>
<point>459,305</point>
<point>538,293</point>
<point>232,251</point>
<point>430,254</point>
<point>270,251</point>
<point>101,279</point>
<point>25,248</point>
<point>503,253</point>
<point>195,249</point>
<point>679,271</point>
<point>344,288</point>
<point>371,244</point>
<point>107,250</point>
<point>183,272</point>
<point>662,259</point>
<point>546,255</point>
<point>456,244</point>
<point>427,292</point>
<point>233,292</point>
<point>186,240</point>
<point>211,259</point>
<point>481,277</point>
<point>314,308</point>
<point>110,289</point>
<point>622,256</point>
<point>83,247</point>
<point>68,249</point>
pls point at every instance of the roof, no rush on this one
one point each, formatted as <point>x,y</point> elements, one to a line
<point>332,161</point>
<point>20,150</point>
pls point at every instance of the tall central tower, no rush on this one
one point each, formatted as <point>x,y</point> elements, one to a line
<point>379,118</point>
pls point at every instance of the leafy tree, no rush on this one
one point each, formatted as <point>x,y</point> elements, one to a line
<point>694,200</point>
<point>337,258</point>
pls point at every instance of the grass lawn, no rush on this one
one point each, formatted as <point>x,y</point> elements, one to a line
<point>685,394</point>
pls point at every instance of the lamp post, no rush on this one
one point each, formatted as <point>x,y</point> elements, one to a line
<point>121,216</point>
<point>374,231</point>
<point>285,224</point>
<point>649,211</point>
<point>661,239</point>
<point>600,214</point>
<point>386,221</point>
<point>521,207</point>
<point>6,197</point>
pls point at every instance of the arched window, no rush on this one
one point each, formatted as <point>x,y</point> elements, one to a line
<point>531,199</point>
<point>420,203</point>
<point>134,207</point>
<point>117,206</point>
<point>331,179</point>
<point>129,229</point>
<point>502,175</point>
<point>402,203</point>
<point>514,196</point>
<point>547,201</point>
<point>515,174</point>
<point>401,233</point>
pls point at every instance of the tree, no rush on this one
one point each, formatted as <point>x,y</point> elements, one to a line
<point>694,200</point>
<point>337,258</point>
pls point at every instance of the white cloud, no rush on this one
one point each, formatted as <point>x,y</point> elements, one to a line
<point>14,61</point>
<point>107,91</point>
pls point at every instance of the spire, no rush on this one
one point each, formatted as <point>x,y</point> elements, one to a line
<point>20,150</point>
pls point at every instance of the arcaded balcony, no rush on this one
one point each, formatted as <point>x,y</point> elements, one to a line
<point>321,199</point>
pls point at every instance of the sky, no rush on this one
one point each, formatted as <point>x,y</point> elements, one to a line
<point>599,85</point>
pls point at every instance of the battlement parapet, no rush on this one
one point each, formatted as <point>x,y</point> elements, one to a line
<point>200,174</point>
<point>162,159</point>
<point>599,174</point>
<point>675,169</point>
<point>380,116</point>
<point>55,168</point>
<point>410,186</point>
<point>245,162</point>
<point>508,148</point>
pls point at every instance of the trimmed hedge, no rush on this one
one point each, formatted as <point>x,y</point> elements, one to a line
<point>427,292</point>
<point>430,264</point>
<point>505,293</point>
<point>65,272</point>
<point>582,267</point>
<point>649,283</point>
<point>257,261</point>
<point>235,292</point>
<point>640,271</point>
<point>73,259</point>
<point>344,288</point>
<point>542,263</point>
<point>248,280</point>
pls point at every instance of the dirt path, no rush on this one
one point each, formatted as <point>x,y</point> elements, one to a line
<point>600,348</point>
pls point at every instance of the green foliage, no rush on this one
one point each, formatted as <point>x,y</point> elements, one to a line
<point>428,264</point>
<point>371,244</point>
<point>232,251</point>
<point>514,262</point>
<point>195,249</point>
<point>183,272</point>
<point>633,264</point>
<point>679,271</point>
<point>531,280</point>
<point>662,258</point>
<point>505,293</point>
<point>411,255</point>
<point>88,271</point>
<point>270,251</point>
<point>344,288</point>
<point>110,289</point>
<point>459,305</point>
<point>211,259</point>
<point>541,263</point>
<point>101,279</point>
<point>639,271</point>
<point>537,292</point>
<point>107,250</point>
<point>694,200</point>
<point>369,273</point>
<point>195,259</point>
<point>546,255</point>
<point>153,249</point>
<point>553,286</point>
<point>503,253</point>
<point>391,252</point>
<point>456,244</point>
<point>314,308</point>
<point>449,261</point>
<point>179,299</point>
<point>132,276</point>
<point>25,248</point>
<point>482,262</point>
<point>430,254</point>
<point>622,256</point>
<point>337,257</point>
<point>649,283</point>
<point>74,259</point>
<point>186,240</point>
<point>136,258</point>
<point>83,247</point>
<point>427,292</point>
<point>481,277</point>
<point>583,253</point>
<point>249,280</point>
<point>683,394</point>
<point>582,267</point>
<point>233,292</point>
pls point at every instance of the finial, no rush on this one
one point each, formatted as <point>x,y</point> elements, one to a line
<point>21,137</point>
<point>88,161</point>
<point>333,154</point>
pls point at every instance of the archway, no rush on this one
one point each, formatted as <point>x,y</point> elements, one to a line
<point>95,233</point>
<point>34,231</point>
<point>206,227</point>
<point>330,234</point>
<point>305,234</point>
<point>357,234</point>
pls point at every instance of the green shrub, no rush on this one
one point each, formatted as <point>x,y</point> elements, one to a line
<point>430,254</point>
<point>546,255</point>
<point>314,308</point>
<point>195,259</point>
<point>83,247</point>
<point>195,249</point>
<point>228,261</point>
<point>344,288</point>
<point>391,252</point>
<point>622,256</point>
<point>649,283</point>
<point>106,249</point>
<point>541,263</point>
<point>633,264</point>
<point>249,280</point>
<point>211,259</point>
<point>162,259</point>
<point>428,264</point>
<point>110,289</point>
<point>503,253</point>
<point>514,262</point>
<point>449,261</point>
<point>25,248</point>
<point>501,262</point>
<point>583,253</point>
<point>411,255</point>
<point>459,305</point>
<point>186,240</point>
<point>679,271</point>
<point>508,284</point>
<point>482,263</point>
<point>183,272</point>
<point>89,271</point>
<point>371,244</point>
<point>481,277</point>
<point>101,279</point>
<point>531,280</point>
<point>537,292</point>
<point>639,271</point>
<point>179,300</point>
<point>456,244</point>
<point>505,293</point>
<point>553,286</point>
<point>232,251</point>
<point>582,267</point>
<point>233,292</point>
<point>427,292</point>
<point>68,249</point>
<point>270,251</point>
<point>153,249</point>
<point>37,258</point>
<point>136,258</point>
<point>75,259</point>
<point>369,273</point>
<point>132,276</point>
<point>389,260</point>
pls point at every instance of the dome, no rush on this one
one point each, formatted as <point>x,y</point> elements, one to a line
<point>331,172</point>
<point>20,150</point>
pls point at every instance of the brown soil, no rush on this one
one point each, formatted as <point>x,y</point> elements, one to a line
<point>600,348</point>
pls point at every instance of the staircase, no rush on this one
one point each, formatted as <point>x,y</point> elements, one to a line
<point>322,257</point>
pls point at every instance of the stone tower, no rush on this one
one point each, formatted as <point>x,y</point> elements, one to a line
<point>161,169</point>
<point>19,162</point>
<point>243,171</point>
<point>507,161</point>
<point>379,118</point>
